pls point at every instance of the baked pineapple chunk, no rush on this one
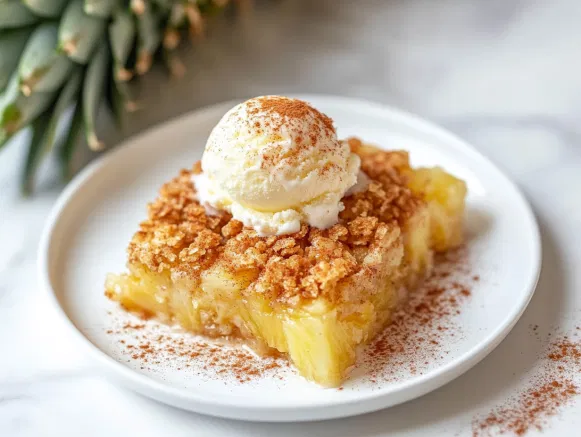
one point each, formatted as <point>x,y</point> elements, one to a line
<point>418,251</point>
<point>140,291</point>
<point>321,347</point>
<point>315,296</point>
<point>445,195</point>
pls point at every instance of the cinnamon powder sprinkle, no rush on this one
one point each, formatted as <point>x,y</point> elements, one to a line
<point>293,109</point>
<point>157,347</point>
<point>549,391</point>
<point>416,338</point>
<point>279,113</point>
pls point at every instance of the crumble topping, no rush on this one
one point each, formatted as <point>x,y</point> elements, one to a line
<point>179,237</point>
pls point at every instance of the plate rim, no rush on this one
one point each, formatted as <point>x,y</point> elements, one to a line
<point>323,409</point>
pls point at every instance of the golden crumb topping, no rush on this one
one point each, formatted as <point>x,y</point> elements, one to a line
<point>180,238</point>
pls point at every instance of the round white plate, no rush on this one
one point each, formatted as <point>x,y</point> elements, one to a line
<point>92,222</point>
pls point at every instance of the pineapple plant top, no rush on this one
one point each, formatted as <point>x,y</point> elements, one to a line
<point>55,54</point>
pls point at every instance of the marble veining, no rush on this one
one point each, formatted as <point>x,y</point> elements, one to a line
<point>503,74</point>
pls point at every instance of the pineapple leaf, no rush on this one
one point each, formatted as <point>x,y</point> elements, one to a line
<point>17,110</point>
<point>114,98</point>
<point>45,8</point>
<point>126,94</point>
<point>177,16</point>
<point>209,7</point>
<point>41,67</point>
<point>93,90</point>
<point>81,52</point>
<point>39,128</point>
<point>122,38</point>
<point>14,14</point>
<point>173,63</point>
<point>71,141</point>
<point>44,143</point>
<point>174,22</point>
<point>164,5</point>
<point>101,8</point>
<point>80,33</point>
<point>149,38</point>
<point>114,101</point>
<point>12,43</point>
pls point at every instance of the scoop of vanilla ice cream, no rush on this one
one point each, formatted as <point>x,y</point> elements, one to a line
<point>274,163</point>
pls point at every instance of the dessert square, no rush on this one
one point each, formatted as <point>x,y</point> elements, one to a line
<point>315,295</point>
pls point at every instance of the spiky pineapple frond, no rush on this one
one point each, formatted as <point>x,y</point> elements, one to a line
<point>55,54</point>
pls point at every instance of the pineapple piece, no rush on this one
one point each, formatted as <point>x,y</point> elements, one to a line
<point>321,348</point>
<point>417,248</point>
<point>185,310</point>
<point>445,195</point>
<point>140,291</point>
<point>266,324</point>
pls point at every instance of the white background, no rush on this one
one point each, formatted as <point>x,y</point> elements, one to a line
<point>503,74</point>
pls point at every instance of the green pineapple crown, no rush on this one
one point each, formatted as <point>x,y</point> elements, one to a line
<point>55,54</point>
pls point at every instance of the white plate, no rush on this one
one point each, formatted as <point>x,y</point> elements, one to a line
<point>93,220</point>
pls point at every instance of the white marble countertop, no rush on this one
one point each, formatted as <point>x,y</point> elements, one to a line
<point>504,74</point>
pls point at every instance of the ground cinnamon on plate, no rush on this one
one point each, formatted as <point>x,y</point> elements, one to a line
<point>157,347</point>
<point>422,331</point>
<point>550,390</point>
